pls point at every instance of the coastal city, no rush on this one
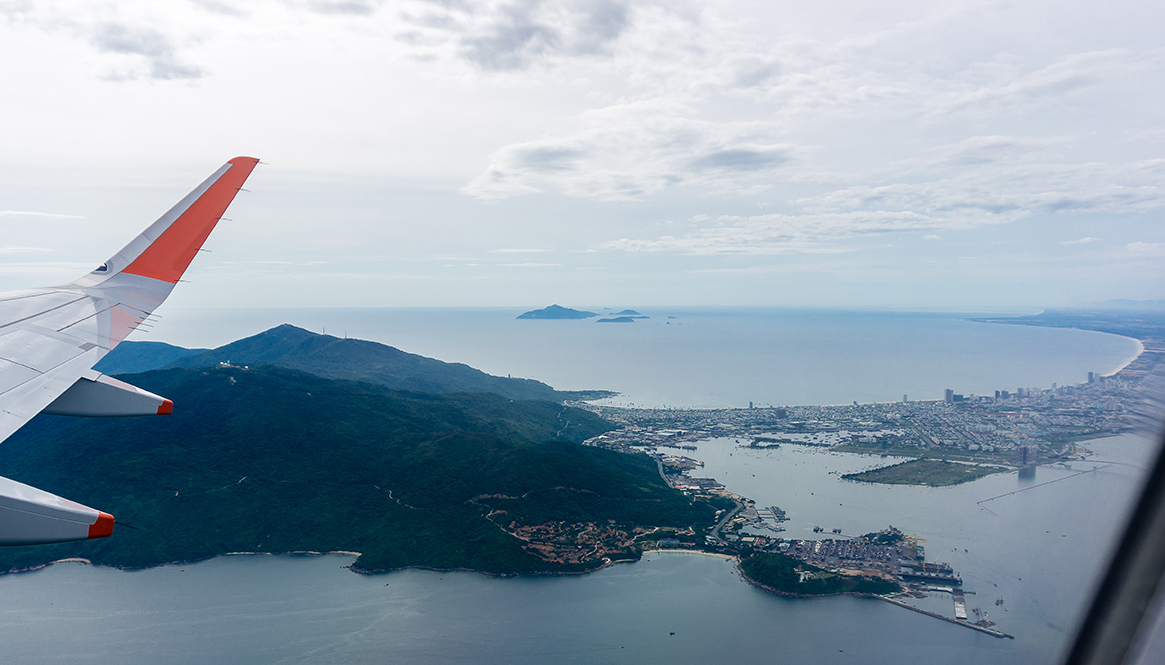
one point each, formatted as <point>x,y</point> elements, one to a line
<point>967,436</point>
<point>1017,427</point>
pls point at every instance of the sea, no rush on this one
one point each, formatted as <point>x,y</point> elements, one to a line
<point>1038,550</point>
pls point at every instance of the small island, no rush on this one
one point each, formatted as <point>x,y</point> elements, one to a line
<point>618,319</point>
<point>556,312</point>
<point>929,472</point>
<point>632,313</point>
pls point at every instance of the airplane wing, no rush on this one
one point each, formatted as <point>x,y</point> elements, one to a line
<point>50,338</point>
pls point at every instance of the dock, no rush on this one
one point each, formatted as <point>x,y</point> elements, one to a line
<point>990,631</point>
<point>960,605</point>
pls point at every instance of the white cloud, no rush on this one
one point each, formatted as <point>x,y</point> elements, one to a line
<point>1081,241</point>
<point>32,213</point>
<point>1146,249</point>
<point>632,150</point>
<point>153,46</point>
<point>506,35</point>
<point>696,127</point>
<point>1066,78</point>
<point>16,249</point>
<point>779,234</point>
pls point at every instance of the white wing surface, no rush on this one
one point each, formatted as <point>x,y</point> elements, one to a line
<point>50,338</point>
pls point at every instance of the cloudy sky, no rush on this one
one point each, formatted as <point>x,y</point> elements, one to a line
<point>945,154</point>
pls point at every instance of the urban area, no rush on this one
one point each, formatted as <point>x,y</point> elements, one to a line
<point>1007,430</point>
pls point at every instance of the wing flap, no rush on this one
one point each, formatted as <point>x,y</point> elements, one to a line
<point>30,516</point>
<point>98,396</point>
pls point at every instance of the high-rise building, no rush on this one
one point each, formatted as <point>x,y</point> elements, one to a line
<point>1027,455</point>
<point>949,396</point>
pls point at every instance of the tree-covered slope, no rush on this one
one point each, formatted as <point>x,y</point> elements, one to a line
<point>361,360</point>
<point>274,460</point>
<point>784,574</point>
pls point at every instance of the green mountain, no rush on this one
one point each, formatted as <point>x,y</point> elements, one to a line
<point>269,459</point>
<point>360,360</point>
<point>784,574</point>
<point>556,312</point>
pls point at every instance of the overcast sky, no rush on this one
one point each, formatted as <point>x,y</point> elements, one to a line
<point>915,155</point>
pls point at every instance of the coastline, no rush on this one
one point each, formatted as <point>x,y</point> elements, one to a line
<point>889,599</point>
<point>718,555</point>
<point>607,563</point>
<point>129,569</point>
<point>359,571</point>
<point>1130,361</point>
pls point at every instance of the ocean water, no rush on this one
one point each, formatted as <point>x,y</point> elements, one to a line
<point>1040,550</point>
<point>709,358</point>
<point>667,608</point>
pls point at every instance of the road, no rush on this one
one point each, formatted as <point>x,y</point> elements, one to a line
<point>715,534</point>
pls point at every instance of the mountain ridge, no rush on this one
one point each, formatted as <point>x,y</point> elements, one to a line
<point>361,360</point>
<point>275,460</point>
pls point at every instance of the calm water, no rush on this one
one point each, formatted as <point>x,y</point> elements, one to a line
<point>1039,550</point>
<point>708,358</point>
<point>286,610</point>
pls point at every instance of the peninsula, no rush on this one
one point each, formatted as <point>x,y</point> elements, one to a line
<point>787,576</point>
<point>268,459</point>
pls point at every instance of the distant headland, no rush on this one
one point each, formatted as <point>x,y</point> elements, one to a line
<point>556,312</point>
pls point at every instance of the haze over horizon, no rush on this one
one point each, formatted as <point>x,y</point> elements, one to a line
<point>966,155</point>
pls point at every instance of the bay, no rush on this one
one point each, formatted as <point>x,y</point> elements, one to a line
<point>312,610</point>
<point>715,358</point>
<point>1041,550</point>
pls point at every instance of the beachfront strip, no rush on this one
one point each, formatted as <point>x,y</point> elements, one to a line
<point>1020,428</point>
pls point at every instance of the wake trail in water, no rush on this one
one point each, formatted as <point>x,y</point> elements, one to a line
<point>1079,473</point>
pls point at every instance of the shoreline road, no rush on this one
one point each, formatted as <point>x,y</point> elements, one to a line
<point>659,465</point>
<point>724,520</point>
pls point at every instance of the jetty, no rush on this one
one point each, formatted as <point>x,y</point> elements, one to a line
<point>962,622</point>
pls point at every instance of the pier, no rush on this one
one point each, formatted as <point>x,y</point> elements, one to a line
<point>960,604</point>
<point>982,629</point>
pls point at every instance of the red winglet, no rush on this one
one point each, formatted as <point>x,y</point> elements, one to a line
<point>166,408</point>
<point>169,256</point>
<point>103,527</point>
